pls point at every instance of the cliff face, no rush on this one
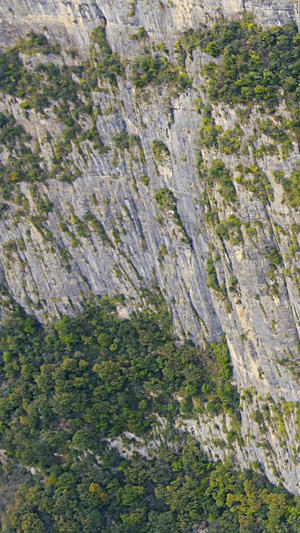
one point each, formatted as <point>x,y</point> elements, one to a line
<point>108,230</point>
<point>72,21</point>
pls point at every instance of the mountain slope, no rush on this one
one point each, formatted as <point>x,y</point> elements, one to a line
<point>163,159</point>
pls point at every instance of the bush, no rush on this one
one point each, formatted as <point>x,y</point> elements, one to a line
<point>220,175</point>
<point>149,69</point>
<point>291,189</point>
<point>165,199</point>
<point>160,151</point>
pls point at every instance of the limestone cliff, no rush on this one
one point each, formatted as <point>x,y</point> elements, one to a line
<point>135,214</point>
<point>72,21</point>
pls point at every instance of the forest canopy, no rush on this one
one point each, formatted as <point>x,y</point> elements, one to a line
<point>71,389</point>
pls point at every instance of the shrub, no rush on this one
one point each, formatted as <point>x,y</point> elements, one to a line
<point>291,189</point>
<point>220,175</point>
<point>160,151</point>
<point>212,278</point>
<point>165,199</point>
<point>140,35</point>
<point>149,69</point>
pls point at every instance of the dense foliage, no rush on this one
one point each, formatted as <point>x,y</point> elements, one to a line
<point>257,65</point>
<point>148,69</point>
<point>111,374</point>
<point>70,388</point>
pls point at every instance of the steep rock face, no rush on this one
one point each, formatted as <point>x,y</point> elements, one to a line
<point>112,187</point>
<point>71,22</point>
<point>106,231</point>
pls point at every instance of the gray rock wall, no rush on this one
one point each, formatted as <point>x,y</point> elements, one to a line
<point>71,22</point>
